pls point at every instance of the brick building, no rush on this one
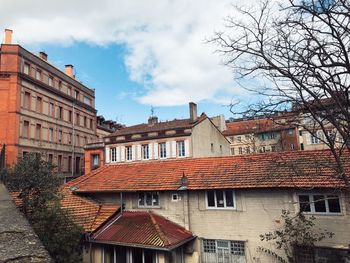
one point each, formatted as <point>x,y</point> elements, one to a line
<point>43,109</point>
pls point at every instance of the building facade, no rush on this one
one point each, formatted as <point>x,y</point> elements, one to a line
<point>180,138</point>
<point>215,208</point>
<point>43,110</point>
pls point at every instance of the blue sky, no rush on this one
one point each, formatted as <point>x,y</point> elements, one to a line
<point>135,54</point>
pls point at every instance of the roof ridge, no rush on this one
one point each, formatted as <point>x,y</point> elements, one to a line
<point>158,229</point>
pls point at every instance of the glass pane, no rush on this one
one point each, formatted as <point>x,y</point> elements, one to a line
<point>211,199</point>
<point>320,203</point>
<point>229,198</point>
<point>209,246</point>
<point>222,244</point>
<point>141,199</point>
<point>148,199</point>
<point>304,202</point>
<point>220,199</point>
<point>333,204</point>
<point>155,199</point>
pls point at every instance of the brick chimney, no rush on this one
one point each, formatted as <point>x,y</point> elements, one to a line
<point>193,111</point>
<point>43,55</point>
<point>69,70</point>
<point>152,120</point>
<point>8,36</point>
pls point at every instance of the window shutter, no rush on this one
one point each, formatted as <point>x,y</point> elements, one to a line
<point>117,153</point>
<point>122,153</point>
<point>167,148</point>
<point>107,154</point>
<point>173,149</point>
<point>155,150</point>
<point>138,152</point>
<point>187,148</point>
<point>133,152</point>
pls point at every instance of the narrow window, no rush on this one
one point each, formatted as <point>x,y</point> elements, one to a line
<point>69,139</point>
<point>59,163</point>
<point>77,143</point>
<point>26,129</point>
<point>60,112</point>
<point>50,81</point>
<point>240,150</point>
<point>60,85</point>
<point>38,132</point>
<point>38,74</point>
<point>76,94</point>
<point>50,159</point>
<point>26,100</point>
<point>77,119</point>
<point>38,106</point>
<point>113,154</point>
<point>128,153</point>
<point>26,68</point>
<point>145,151</point>
<point>50,138</point>
<point>51,109</point>
<point>95,161</point>
<point>70,115</point>
<point>181,148</point>
<point>60,136</point>
<point>69,90</point>
<point>85,121</point>
<point>69,163</point>
<point>91,124</point>
<point>162,150</point>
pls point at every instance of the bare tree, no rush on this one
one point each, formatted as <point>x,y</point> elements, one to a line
<point>302,48</point>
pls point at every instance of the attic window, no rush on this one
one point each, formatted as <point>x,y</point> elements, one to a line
<point>148,199</point>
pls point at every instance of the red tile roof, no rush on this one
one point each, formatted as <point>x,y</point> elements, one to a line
<point>264,170</point>
<point>143,229</point>
<point>253,126</point>
<point>160,126</point>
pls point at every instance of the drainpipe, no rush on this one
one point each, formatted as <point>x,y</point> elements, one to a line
<point>73,139</point>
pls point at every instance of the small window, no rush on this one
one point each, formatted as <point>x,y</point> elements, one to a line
<point>26,68</point>
<point>273,148</point>
<point>181,148</point>
<point>38,74</point>
<point>114,154</point>
<point>247,150</point>
<point>60,112</point>
<point>91,124</point>
<point>50,81</point>
<point>69,90</point>
<point>26,129</point>
<point>60,136</point>
<point>50,158</point>
<point>174,197</point>
<point>220,199</point>
<point>239,139</point>
<point>69,139</point>
<point>76,94</point>
<point>149,199</point>
<point>38,132</point>
<point>232,151</point>
<point>87,100</point>
<point>162,150</point>
<point>59,163</point>
<point>50,137</point>
<point>145,151</point>
<point>128,153</point>
<point>290,131</point>
<point>77,142</point>
<point>38,106</point>
<point>240,150</point>
<point>69,163</point>
<point>26,103</point>
<point>85,121</point>
<point>70,116</point>
<point>60,85</point>
<point>319,203</point>
<point>95,160</point>
<point>52,109</point>
<point>77,119</point>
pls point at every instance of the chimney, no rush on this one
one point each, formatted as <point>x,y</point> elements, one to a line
<point>69,70</point>
<point>8,36</point>
<point>152,120</point>
<point>193,111</point>
<point>43,55</point>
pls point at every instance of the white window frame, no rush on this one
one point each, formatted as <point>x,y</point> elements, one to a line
<point>113,154</point>
<point>161,150</point>
<point>229,247</point>
<point>128,153</point>
<point>145,151</point>
<point>95,157</point>
<point>144,198</point>
<point>312,203</point>
<point>215,198</point>
<point>180,151</point>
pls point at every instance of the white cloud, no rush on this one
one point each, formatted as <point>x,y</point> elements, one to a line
<point>165,40</point>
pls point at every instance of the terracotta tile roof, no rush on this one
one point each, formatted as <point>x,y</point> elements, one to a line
<point>160,126</point>
<point>86,212</point>
<point>264,170</point>
<point>253,126</point>
<point>143,229</point>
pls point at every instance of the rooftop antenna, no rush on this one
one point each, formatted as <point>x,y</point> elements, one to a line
<point>152,111</point>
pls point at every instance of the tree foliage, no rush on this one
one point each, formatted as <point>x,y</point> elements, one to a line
<point>298,232</point>
<point>300,49</point>
<point>37,187</point>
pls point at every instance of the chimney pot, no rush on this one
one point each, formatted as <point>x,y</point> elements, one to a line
<point>193,111</point>
<point>69,70</point>
<point>8,36</point>
<point>43,55</point>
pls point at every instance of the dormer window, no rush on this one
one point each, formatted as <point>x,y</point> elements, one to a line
<point>145,151</point>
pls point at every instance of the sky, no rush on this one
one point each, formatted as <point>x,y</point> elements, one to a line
<point>136,54</point>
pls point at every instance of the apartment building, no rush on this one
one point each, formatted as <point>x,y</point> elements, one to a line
<point>43,110</point>
<point>196,136</point>
<point>209,210</point>
<point>253,135</point>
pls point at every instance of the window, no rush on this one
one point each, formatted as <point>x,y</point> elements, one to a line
<point>26,103</point>
<point>290,131</point>
<point>128,153</point>
<point>26,68</point>
<point>69,163</point>
<point>220,199</point>
<point>232,151</point>
<point>181,148</point>
<point>232,138</point>
<point>38,132</point>
<point>70,115</point>
<point>240,150</point>
<point>85,121</point>
<point>319,203</point>
<point>50,159</point>
<point>87,100</point>
<point>162,150</point>
<point>51,81</point>
<point>50,138</point>
<point>77,119</point>
<point>149,199</point>
<point>113,154</point>
<point>95,160</point>
<point>51,109</point>
<point>69,91</point>
<point>76,94</point>
<point>145,151</point>
<point>59,84</point>
<point>239,138</point>
<point>174,197</point>
<point>69,139</point>
<point>60,136</point>
<point>38,106</point>
<point>59,163</point>
<point>247,150</point>
<point>60,112</point>
<point>38,74</point>
<point>26,129</point>
<point>218,246</point>
<point>316,137</point>
<point>91,125</point>
<point>292,146</point>
<point>77,142</point>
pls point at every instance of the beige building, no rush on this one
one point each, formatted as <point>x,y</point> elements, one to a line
<point>105,127</point>
<point>179,138</point>
<point>209,210</point>
<point>43,110</point>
